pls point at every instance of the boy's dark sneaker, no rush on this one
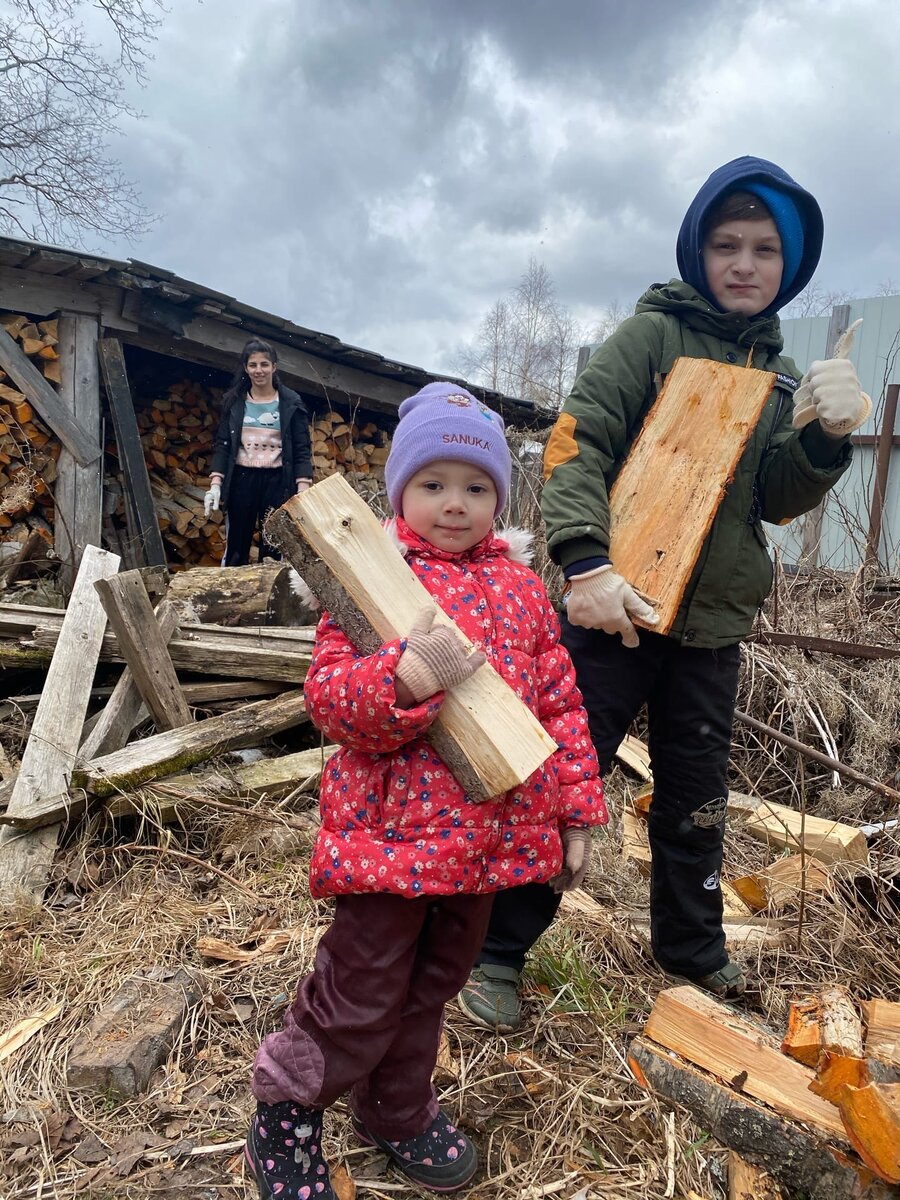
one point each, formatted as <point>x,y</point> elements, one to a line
<point>728,983</point>
<point>284,1152</point>
<point>441,1159</point>
<point>490,998</point>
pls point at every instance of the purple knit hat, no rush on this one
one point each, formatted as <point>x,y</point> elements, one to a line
<point>443,420</point>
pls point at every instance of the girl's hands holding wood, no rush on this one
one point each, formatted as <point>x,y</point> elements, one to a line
<point>601,599</point>
<point>434,661</point>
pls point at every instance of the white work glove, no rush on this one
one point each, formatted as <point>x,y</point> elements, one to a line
<point>601,599</point>
<point>576,857</point>
<point>830,393</point>
<point>303,484</point>
<point>212,497</point>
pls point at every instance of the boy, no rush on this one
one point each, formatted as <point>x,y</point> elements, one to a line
<point>749,243</point>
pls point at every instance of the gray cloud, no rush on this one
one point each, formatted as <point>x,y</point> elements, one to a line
<point>384,171</point>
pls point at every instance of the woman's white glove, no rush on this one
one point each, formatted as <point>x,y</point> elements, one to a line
<point>830,391</point>
<point>303,485</point>
<point>601,599</point>
<point>212,497</point>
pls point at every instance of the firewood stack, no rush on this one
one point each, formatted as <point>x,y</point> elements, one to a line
<point>176,430</point>
<point>28,450</point>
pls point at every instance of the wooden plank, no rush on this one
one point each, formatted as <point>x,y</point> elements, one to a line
<point>131,615</point>
<point>871,1115</point>
<point>664,499</point>
<point>77,491</point>
<point>882,1030</point>
<point>25,860</point>
<point>748,1182</point>
<point>827,841</point>
<point>713,1036</point>
<point>131,452</point>
<point>488,738</point>
<point>83,447</point>
<point>795,1155</point>
<point>261,653</point>
<point>121,711</point>
<point>165,753</point>
<point>635,754</point>
<point>635,844</point>
<point>273,778</point>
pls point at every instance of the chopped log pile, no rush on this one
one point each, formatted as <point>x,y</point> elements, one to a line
<point>28,450</point>
<point>176,432</point>
<point>816,1111</point>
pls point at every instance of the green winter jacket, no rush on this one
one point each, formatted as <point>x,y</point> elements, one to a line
<point>781,474</point>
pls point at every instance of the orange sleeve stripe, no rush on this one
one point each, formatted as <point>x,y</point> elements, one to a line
<point>561,445</point>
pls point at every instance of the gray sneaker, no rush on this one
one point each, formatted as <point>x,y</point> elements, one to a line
<point>491,998</point>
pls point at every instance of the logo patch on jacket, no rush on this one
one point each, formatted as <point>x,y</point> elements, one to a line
<point>788,382</point>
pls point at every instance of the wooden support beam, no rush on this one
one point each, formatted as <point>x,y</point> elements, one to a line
<point>77,492</point>
<point>488,738</point>
<point>131,453</point>
<point>131,615</point>
<point>84,448</point>
<point>795,1155</point>
<point>25,859</point>
<point>714,1037</point>
<point>120,713</point>
<point>802,641</point>
<point>179,795</point>
<point>666,495</point>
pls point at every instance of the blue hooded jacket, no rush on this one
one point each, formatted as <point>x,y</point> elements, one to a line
<point>795,212</point>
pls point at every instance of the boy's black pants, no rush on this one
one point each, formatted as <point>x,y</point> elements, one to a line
<point>252,494</point>
<point>690,696</point>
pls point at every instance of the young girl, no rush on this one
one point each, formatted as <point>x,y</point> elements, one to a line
<point>413,862</point>
<point>261,454</point>
<point>749,243</point>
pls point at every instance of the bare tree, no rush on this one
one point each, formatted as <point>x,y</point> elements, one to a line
<point>61,97</point>
<point>609,321</point>
<point>817,301</point>
<point>527,344</point>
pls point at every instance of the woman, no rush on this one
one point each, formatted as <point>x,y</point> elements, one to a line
<point>261,452</point>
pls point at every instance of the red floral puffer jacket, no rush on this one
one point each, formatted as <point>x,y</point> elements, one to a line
<point>394,819</point>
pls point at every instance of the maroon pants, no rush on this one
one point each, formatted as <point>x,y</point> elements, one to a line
<point>368,1017</point>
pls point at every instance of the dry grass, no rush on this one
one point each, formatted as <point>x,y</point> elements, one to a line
<point>553,1107</point>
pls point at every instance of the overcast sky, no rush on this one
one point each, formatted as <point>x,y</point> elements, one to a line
<point>383,170</point>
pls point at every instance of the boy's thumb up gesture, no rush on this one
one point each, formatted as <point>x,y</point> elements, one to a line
<point>433,661</point>
<point>830,392</point>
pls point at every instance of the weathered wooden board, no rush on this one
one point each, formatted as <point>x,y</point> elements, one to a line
<point>141,640</point>
<point>489,739</point>
<point>665,497</point>
<point>26,858</point>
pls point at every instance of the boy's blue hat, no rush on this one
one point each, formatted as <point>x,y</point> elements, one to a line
<point>794,211</point>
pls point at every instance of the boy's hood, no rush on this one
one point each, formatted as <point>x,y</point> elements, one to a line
<point>684,301</point>
<point>732,177</point>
